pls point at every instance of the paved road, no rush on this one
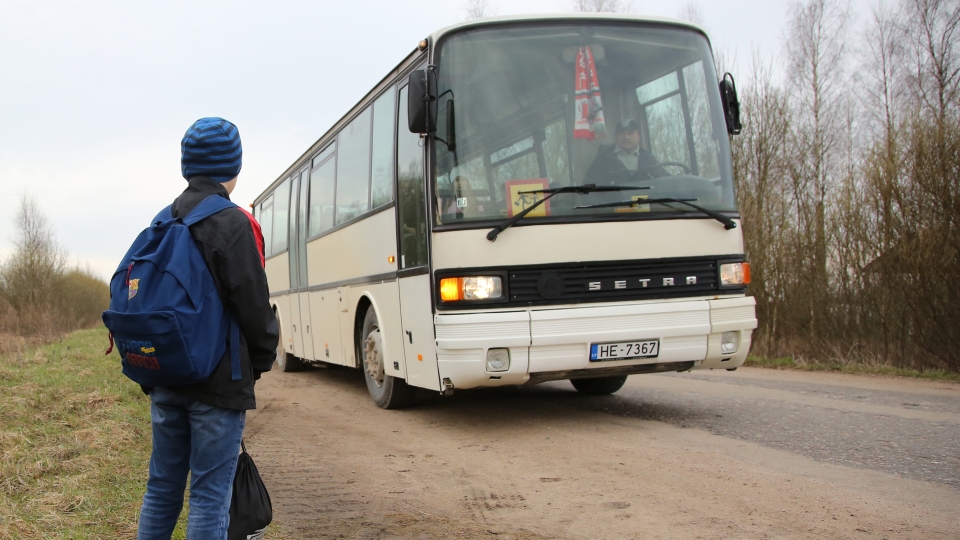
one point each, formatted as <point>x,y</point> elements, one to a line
<point>890,425</point>
<point>750,454</point>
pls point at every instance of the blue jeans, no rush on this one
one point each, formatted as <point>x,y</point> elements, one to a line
<point>189,436</point>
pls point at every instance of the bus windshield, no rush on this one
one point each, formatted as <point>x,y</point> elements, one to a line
<point>524,109</point>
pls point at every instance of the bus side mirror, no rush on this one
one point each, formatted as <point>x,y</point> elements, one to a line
<point>422,101</point>
<point>731,104</point>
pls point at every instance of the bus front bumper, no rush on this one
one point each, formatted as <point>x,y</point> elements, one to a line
<point>554,344</point>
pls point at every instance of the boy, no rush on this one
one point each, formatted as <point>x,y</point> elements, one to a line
<point>198,428</point>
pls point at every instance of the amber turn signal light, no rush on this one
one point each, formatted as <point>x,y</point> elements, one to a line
<point>450,290</point>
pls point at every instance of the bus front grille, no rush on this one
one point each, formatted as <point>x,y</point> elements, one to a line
<point>613,281</point>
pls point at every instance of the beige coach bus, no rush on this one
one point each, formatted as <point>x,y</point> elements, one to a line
<point>522,199</point>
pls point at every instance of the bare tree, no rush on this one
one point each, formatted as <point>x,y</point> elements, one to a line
<point>726,60</point>
<point>933,28</point>
<point>30,278</point>
<point>760,162</point>
<point>479,9</point>
<point>883,60</point>
<point>816,50</point>
<point>884,57</point>
<point>691,11</point>
<point>37,261</point>
<point>603,6</point>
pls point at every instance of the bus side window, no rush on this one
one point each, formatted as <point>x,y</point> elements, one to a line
<point>381,184</point>
<point>322,183</point>
<point>353,168</point>
<point>281,213</point>
<point>411,207</point>
<point>265,217</point>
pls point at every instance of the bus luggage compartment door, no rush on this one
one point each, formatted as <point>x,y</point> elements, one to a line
<point>325,325</point>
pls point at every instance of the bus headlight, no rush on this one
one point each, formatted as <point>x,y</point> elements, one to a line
<point>471,288</point>
<point>734,274</point>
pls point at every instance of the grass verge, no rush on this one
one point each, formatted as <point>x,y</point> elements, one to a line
<point>861,369</point>
<point>74,443</point>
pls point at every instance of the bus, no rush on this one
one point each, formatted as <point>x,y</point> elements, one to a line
<point>520,200</point>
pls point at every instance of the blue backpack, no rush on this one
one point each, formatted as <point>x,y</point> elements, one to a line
<point>166,316</point>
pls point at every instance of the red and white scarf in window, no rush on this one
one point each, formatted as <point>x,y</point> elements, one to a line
<point>589,116</point>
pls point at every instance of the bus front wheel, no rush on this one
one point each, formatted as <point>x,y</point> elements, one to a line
<point>600,386</point>
<point>388,392</point>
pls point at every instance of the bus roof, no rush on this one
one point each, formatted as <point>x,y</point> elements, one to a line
<point>561,17</point>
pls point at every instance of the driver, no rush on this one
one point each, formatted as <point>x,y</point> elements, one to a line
<point>618,162</point>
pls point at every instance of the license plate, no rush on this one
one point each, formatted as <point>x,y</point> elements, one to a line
<point>624,350</point>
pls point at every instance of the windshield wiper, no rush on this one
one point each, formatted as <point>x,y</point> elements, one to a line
<point>727,222</point>
<point>584,189</point>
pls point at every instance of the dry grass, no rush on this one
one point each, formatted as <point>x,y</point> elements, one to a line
<point>860,368</point>
<point>74,443</point>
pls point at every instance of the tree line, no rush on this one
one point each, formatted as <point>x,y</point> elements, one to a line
<point>848,178</point>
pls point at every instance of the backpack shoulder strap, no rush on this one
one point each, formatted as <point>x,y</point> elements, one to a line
<point>208,207</point>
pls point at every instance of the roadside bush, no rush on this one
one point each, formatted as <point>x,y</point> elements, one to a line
<point>40,297</point>
<point>8,317</point>
<point>84,296</point>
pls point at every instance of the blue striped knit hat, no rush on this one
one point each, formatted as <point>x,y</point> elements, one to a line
<point>211,147</point>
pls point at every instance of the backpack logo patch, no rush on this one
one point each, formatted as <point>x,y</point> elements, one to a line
<point>145,356</point>
<point>134,288</point>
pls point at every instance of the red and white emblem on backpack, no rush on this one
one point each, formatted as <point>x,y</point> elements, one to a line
<point>134,288</point>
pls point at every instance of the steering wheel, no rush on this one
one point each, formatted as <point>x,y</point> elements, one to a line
<point>686,170</point>
<point>627,175</point>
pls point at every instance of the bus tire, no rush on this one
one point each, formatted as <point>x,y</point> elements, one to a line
<point>386,391</point>
<point>600,386</point>
<point>286,362</point>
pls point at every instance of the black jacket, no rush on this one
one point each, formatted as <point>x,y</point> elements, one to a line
<point>232,247</point>
<point>607,168</point>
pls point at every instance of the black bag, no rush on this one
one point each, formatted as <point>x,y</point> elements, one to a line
<point>250,507</point>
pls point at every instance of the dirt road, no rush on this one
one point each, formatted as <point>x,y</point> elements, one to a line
<point>750,454</point>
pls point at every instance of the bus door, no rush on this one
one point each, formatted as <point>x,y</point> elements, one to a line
<point>303,300</point>
<point>413,276</point>
<point>294,266</point>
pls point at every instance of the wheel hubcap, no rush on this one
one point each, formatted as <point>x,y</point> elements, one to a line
<point>373,356</point>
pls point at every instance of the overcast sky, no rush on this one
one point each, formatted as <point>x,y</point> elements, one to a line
<point>96,95</point>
